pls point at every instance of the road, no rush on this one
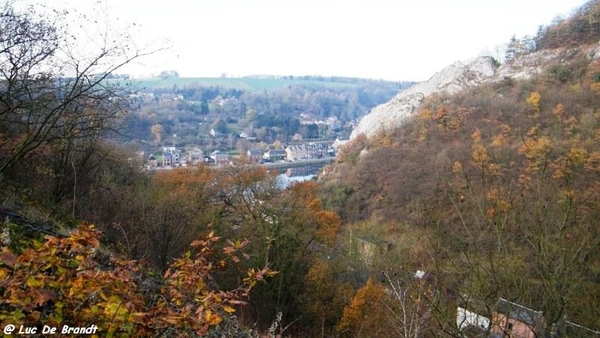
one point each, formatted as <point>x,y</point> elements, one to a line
<point>295,164</point>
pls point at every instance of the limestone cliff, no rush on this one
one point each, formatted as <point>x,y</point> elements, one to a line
<point>457,77</point>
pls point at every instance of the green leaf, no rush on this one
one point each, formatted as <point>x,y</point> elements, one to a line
<point>33,282</point>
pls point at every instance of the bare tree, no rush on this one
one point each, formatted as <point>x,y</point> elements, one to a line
<point>406,312</point>
<point>57,86</point>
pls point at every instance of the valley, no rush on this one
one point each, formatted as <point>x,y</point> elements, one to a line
<point>466,205</point>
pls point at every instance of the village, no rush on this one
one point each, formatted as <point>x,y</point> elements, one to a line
<point>173,157</point>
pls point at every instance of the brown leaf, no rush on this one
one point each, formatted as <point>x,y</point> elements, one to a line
<point>7,258</point>
<point>42,296</point>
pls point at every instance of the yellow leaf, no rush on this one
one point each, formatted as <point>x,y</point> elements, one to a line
<point>103,295</point>
<point>228,309</point>
<point>32,282</point>
<point>3,274</point>
<point>212,318</point>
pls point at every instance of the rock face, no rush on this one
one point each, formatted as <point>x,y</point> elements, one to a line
<point>457,77</point>
<point>451,79</point>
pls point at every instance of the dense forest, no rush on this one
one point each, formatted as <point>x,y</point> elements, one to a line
<point>484,198</point>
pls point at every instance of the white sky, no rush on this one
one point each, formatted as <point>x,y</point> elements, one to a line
<point>387,39</point>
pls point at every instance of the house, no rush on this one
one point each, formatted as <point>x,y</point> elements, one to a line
<point>305,151</point>
<point>176,161</point>
<point>221,158</point>
<point>469,321</point>
<point>208,160</point>
<point>195,155</point>
<point>274,155</point>
<point>338,143</point>
<point>565,328</point>
<point>254,155</point>
<point>295,152</point>
<point>511,320</point>
<point>219,100</point>
<point>315,150</point>
<point>330,151</point>
<point>370,248</point>
<point>152,161</point>
<point>167,160</point>
<point>334,123</point>
<point>470,318</point>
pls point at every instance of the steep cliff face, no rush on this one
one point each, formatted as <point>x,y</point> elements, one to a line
<point>450,80</point>
<point>457,77</point>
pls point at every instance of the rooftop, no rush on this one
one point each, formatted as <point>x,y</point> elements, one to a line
<point>518,312</point>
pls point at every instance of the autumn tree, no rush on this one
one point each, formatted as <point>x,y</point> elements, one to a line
<point>156,218</point>
<point>523,231</point>
<point>365,315</point>
<point>157,130</point>
<point>284,226</point>
<point>69,280</point>
<point>325,297</point>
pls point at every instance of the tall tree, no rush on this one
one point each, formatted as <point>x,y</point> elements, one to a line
<point>53,90</point>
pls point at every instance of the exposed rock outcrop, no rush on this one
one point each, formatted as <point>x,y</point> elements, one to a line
<point>450,80</point>
<point>457,77</point>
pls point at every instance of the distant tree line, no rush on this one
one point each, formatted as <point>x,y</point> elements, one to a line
<point>180,109</point>
<point>344,102</point>
<point>167,74</point>
<point>581,28</point>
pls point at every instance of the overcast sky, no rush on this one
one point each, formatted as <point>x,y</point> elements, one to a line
<point>382,39</point>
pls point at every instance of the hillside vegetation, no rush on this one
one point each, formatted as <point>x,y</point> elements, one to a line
<point>491,193</point>
<point>172,253</point>
<point>494,191</point>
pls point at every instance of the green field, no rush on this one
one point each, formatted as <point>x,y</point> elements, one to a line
<point>247,84</point>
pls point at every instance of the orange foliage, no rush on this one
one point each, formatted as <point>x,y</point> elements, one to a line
<point>325,297</point>
<point>68,281</point>
<point>328,226</point>
<point>364,316</point>
<point>536,151</point>
<point>480,155</point>
<point>197,175</point>
<point>328,222</point>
